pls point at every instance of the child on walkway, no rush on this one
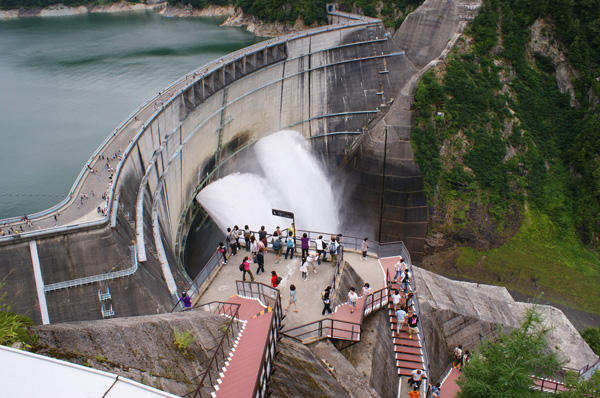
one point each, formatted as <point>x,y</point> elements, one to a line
<point>304,269</point>
<point>352,299</point>
<point>293,298</point>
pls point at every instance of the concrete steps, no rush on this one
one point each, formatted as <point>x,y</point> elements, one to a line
<point>408,352</point>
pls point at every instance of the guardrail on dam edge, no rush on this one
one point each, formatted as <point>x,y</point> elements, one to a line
<point>212,115</point>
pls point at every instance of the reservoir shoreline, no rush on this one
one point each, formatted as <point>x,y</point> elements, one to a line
<point>235,17</point>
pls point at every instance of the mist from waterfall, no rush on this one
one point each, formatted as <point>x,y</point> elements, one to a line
<point>291,178</point>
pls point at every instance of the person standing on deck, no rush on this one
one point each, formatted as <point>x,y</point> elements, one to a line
<point>363,248</point>
<point>304,242</point>
<point>238,235</point>
<point>289,248</point>
<point>247,237</point>
<point>326,303</point>
<point>246,268</point>
<point>333,251</point>
<point>277,247</point>
<point>232,242</point>
<point>253,246</point>
<point>321,247</point>
<point>262,235</point>
<point>260,260</point>
<point>221,249</point>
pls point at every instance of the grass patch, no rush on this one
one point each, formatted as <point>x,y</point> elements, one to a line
<point>539,258</point>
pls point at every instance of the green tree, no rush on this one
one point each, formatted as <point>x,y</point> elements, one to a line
<point>578,387</point>
<point>592,337</point>
<point>500,368</point>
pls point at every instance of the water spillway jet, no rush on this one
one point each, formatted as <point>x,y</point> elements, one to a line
<point>289,177</point>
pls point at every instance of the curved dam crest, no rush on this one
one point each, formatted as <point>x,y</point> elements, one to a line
<point>347,88</point>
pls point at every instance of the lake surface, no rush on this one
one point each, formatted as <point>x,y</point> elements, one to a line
<point>67,82</point>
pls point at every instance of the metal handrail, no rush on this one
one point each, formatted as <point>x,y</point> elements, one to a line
<point>219,347</point>
<point>266,294</point>
<point>376,300</point>
<point>406,255</point>
<point>96,278</point>
<point>321,327</point>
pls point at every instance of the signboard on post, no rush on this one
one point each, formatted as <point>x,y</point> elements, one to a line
<point>282,213</point>
<point>285,214</point>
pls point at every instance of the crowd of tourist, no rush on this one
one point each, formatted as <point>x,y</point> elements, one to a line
<point>313,254</point>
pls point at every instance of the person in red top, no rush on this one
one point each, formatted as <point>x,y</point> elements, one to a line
<point>274,279</point>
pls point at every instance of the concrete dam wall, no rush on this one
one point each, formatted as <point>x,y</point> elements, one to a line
<point>345,87</point>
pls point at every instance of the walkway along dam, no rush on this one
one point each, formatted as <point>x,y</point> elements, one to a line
<point>347,87</point>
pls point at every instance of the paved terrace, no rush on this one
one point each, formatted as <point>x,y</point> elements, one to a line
<point>309,301</point>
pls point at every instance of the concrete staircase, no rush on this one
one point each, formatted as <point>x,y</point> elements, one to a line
<point>408,352</point>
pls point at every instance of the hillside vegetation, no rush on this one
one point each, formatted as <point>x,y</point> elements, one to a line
<point>392,12</point>
<point>503,151</point>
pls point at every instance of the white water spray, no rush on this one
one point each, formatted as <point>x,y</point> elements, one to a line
<point>292,179</point>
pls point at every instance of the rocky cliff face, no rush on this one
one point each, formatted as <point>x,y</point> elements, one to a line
<point>543,43</point>
<point>464,313</point>
<point>138,348</point>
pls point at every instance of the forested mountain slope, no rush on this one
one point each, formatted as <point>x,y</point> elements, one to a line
<point>507,136</point>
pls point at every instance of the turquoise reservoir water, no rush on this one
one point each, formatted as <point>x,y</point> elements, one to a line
<point>67,82</point>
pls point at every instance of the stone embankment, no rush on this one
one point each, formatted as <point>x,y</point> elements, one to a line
<point>455,312</point>
<point>237,18</point>
<point>58,10</point>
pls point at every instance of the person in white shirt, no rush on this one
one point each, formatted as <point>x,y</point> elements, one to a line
<point>400,318</point>
<point>321,249</point>
<point>396,298</point>
<point>352,299</point>
<point>417,376</point>
<point>366,290</point>
<point>312,259</point>
<point>399,267</point>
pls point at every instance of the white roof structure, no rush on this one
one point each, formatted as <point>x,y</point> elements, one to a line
<point>23,374</point>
